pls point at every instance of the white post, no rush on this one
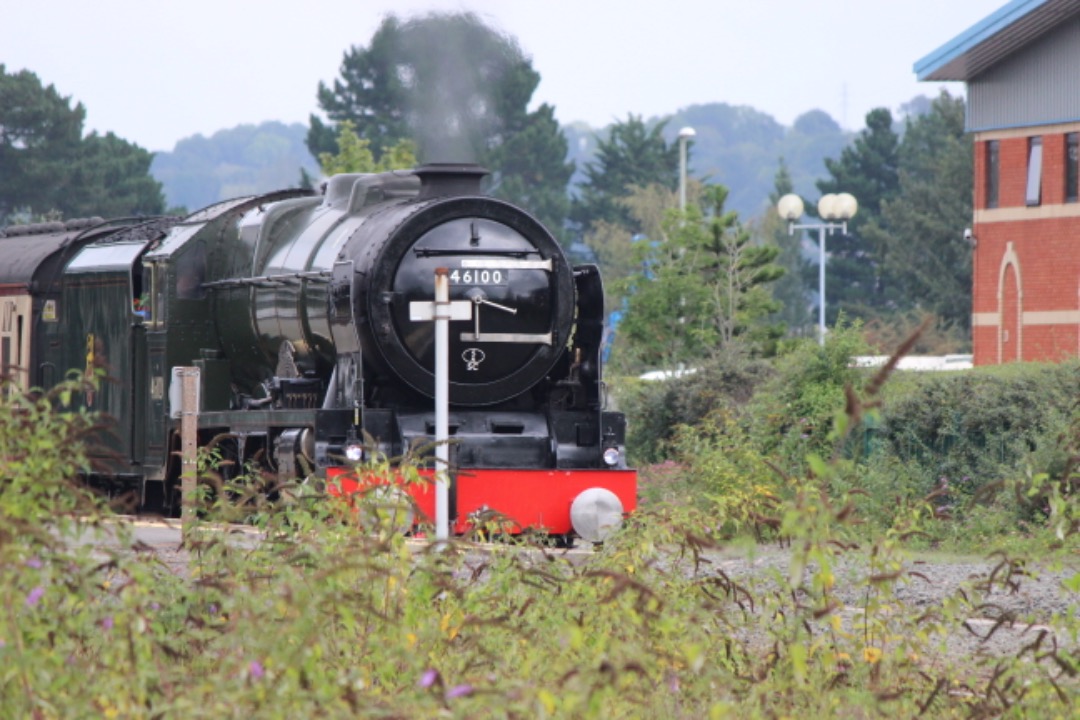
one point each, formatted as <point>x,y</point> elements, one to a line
<point>189,431</point>
<point>821,283</point>
<point>682,174</point>
<point>442,403</point>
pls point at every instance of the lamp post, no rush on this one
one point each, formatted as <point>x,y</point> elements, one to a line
<point>685,135</point>
<point>841,208</point>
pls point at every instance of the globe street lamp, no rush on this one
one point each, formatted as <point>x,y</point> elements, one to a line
<point>841,207</point>
<point>684,136</point>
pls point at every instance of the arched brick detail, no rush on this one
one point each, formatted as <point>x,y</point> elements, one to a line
<point>1010,261</point>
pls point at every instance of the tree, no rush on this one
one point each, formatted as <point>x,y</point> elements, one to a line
<point>39,131</point>
<point>446,81</point>
<point>663,323</point>
<point>460,91</point>
<point>736,269</point>
<point>790,290</point>
<point>371,93</point>
<point>632,155</point>
<point>869,170</point>
<point>355,156</point>
<point>111,177</point>
<point>48,167</point>
<point>531,169</point>
<point>122,169</point>
<point>701,285</point>
<point>926,250</point>
<point>616,247</point>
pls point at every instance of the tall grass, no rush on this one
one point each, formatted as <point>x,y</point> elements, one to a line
<point>320,618</point>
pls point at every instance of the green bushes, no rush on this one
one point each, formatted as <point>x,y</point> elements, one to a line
<point>970,442</point>
<point>40,452</point>
<point>739,486</point>
<point>974,429</point>
<point>786,405</point>
<point>656,409</point>
<point>793,414</point>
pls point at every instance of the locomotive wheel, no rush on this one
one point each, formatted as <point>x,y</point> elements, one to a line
<point>564,542</point>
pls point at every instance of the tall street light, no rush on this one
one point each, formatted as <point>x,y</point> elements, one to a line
<point>841,207</point>
<point>685,136</point>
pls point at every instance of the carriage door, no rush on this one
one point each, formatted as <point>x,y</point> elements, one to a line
<point>15,342</point>
<point>155,364</point>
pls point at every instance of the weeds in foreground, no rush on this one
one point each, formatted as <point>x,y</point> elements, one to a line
<point>306,614</point>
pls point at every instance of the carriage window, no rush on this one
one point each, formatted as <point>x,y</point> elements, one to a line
<point>152,294</point>
<point>140,295</point>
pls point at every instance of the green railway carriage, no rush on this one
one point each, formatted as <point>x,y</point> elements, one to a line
<point>92,323</point>
<point>32,292</point>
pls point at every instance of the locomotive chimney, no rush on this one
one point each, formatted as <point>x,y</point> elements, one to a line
<point>449,179</point>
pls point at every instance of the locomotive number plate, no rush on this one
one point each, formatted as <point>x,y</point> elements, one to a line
<point>478,276</point>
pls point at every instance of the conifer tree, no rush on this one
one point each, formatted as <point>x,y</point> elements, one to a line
<point>47,167</point>
<point>460,91</point>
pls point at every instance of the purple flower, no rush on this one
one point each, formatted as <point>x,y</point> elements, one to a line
<point>35,563</point>
<point>429,678</point>
<point>35,596</point>
<point>107,623</point>
<point>213,609</point>
<point>459,691</point>
<point>155,606</point>
<point>256,670</point>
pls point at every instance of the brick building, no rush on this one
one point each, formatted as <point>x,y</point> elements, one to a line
<point>1022,69</point>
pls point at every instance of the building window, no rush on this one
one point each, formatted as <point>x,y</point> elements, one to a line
<point>1034,178</point>
<point>993,148</point>
<point>1072,167</point>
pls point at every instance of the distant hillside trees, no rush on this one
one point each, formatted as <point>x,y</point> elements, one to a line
<point>47,167</point>
<point>244,160</point>
<point>738,147</point>
<point>460,91</point>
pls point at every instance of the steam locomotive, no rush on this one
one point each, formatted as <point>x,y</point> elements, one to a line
<point>295,308</point>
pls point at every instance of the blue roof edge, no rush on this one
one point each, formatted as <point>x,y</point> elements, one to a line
<point>974,35</point>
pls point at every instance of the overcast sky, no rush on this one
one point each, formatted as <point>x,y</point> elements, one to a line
<point>155,72</point>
